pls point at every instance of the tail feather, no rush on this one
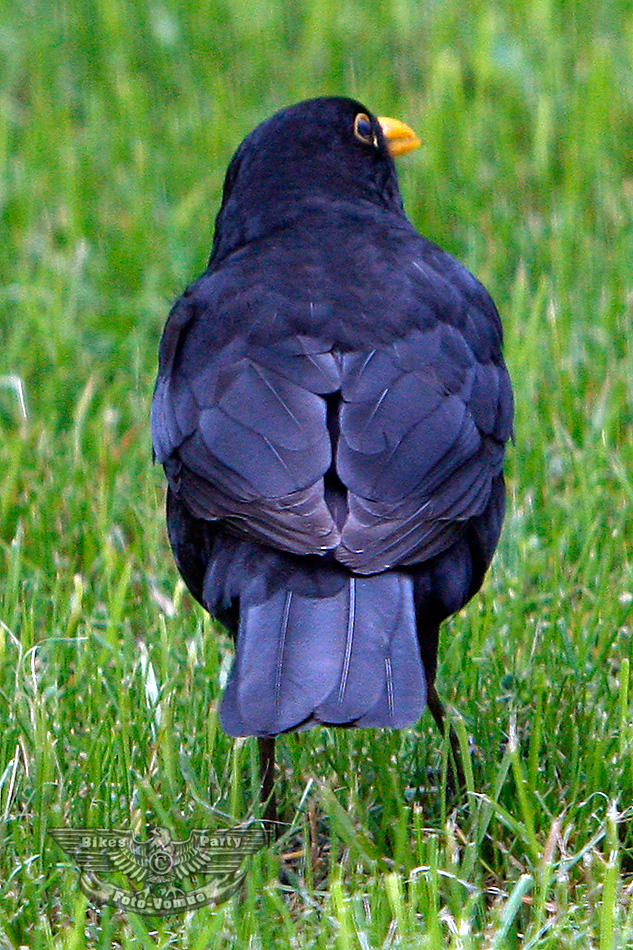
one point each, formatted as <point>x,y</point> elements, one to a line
<point>348,659</point>
<point>382,650</point>
<point>286,662</point>
<point>403,697</point>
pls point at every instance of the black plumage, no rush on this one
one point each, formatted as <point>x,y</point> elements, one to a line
<point>331,411</point>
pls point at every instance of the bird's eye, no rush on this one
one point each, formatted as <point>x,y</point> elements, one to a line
<point>363,130</point>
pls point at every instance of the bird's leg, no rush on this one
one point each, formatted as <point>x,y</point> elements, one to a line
<point>428,650</point>
<point>267,778</point>
<point>455,769</point>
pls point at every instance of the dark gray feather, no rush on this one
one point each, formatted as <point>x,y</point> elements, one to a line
<point>336,659</point>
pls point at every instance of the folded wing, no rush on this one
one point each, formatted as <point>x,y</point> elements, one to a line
<point>423,424</point>
<point>242,433</point>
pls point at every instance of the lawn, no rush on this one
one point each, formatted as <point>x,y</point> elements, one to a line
<point>117,121</point>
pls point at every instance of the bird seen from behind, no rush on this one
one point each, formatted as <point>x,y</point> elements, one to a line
<point>331,412</point>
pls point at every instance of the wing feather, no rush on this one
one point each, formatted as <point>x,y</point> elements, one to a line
<point>419,446</point>
<point>243,435</point>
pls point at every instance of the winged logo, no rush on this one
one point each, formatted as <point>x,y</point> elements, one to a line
<point>160,866</point>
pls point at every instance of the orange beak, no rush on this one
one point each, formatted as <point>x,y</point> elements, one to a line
<point>400,138</point>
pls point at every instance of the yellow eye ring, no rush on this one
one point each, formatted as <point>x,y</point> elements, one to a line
<point>363,130</point>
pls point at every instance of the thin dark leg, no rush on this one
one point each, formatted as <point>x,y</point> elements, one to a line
<point>267,777</point>
<point>429,634</point>
<point>455,768</point>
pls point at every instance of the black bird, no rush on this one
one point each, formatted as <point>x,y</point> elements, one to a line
<point>331,411</point>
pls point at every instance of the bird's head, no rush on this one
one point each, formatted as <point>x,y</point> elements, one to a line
<point>328,148</point>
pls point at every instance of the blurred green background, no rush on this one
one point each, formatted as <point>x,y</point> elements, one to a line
<point>117,121</point>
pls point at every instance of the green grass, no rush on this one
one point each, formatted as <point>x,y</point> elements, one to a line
<point>117,120</point>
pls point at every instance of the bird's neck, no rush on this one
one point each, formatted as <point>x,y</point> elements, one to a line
<point>243,222</point>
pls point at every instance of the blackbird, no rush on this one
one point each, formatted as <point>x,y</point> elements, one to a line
<point>331,411</point>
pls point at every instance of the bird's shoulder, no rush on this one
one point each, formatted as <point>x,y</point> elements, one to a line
<point>354,277</point>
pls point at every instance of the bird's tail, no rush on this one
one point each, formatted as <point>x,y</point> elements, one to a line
<point>351,659</point>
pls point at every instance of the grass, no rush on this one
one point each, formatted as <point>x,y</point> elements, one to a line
<point>117,120</point>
